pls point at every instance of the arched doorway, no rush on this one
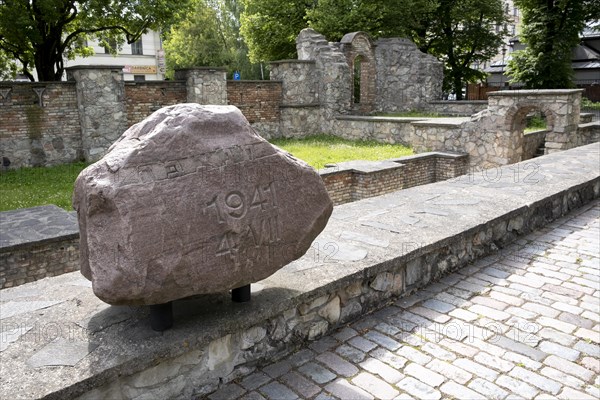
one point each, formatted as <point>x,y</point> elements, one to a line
<point>357,80</point>
<point>528,125</point>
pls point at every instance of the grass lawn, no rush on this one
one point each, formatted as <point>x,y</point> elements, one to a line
<point>535,124</point>
<point>30,187</point>
<point>319,150</point>
<point>38,186</point>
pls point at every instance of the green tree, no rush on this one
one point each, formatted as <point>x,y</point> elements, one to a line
<point>550,30</point>
<point>379,18</point>
<point>270,27</point>
<point>458,32</point>
<point>40,34</point>
<point>462,33</point>
<point>209,35</point>
<point>8,66</point>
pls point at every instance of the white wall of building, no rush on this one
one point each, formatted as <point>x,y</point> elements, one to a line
<point>136,66</point>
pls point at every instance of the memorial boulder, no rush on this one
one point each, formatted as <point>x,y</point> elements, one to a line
<point>192,201</point>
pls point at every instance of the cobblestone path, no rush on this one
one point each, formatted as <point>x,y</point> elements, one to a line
<point>524,323</point>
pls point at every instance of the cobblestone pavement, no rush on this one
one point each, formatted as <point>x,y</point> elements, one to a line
<point>523,323</point>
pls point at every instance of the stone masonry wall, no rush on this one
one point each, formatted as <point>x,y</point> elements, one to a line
<point>36,129</point>
<point>102,113</point>
<point>407,79</point>
<point>532,142</point>
<point>143,98</point>
<point>457,108</point>
<point>358,45</point>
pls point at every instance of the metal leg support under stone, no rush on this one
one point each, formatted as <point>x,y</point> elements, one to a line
<point>241,294</point>
<point>161,316</point>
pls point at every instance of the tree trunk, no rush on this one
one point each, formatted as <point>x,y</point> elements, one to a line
<point>457,83</point>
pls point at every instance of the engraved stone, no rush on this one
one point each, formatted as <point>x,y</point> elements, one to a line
<point>191,201</point>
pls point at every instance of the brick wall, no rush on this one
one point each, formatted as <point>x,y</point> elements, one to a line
<point>259,101</point>
<point>347,184</point>
<point>143,98</point>
<point>340,186</point>
<point>34,133</point>
<point>30,262</point>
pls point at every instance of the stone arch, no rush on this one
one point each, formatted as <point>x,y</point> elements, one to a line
<point>358,47</point>
<point>516,121</point>
<point>506,114</point>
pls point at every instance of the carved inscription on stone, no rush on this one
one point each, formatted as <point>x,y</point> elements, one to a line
<point>192,201</point>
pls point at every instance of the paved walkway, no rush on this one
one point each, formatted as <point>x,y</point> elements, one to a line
<point>520,324</point>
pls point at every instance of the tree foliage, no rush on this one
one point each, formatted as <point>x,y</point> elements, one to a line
<point>458,32</point>
<point>550,30</point>
<point>462,33</point>
<point>209,35</point>
<point>270,27</point>
<point>40,34</point>
<point>380,18</point>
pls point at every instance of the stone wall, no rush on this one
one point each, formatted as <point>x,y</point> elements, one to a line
<point>532,142</point>
<point>461,108</point>
<point>205,85</point>
<point>143,98</point>
<point>407,79</point>
<point>39,124</point>
<point>589,132</point>
<point>360,56</point>
<point>37,243</point>
<point>101,105</point>
<point>381,129</point>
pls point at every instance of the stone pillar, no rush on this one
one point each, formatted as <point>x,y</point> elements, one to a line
<point>101,104</point>
<point>206,85</point>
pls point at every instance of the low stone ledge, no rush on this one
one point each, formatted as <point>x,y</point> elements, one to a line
<point>400,120</point>
<point>307,105</point>
<point>35,226</point>
<point>453,122</point>
<point>372,250</point>
<point>525,92</point>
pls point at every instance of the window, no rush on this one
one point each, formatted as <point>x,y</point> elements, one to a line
<point>139,78</point>
<point>111,47</point>
<point>136,47</point>
<point>512,30</point>
<point>516,12</point>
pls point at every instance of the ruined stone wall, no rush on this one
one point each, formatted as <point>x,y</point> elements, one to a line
<point>332,73</point>
<point>407,79</point>
<point>457,108</point>
<point>300,111</point>
<point>39,124</point>
<point>358,46</point>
